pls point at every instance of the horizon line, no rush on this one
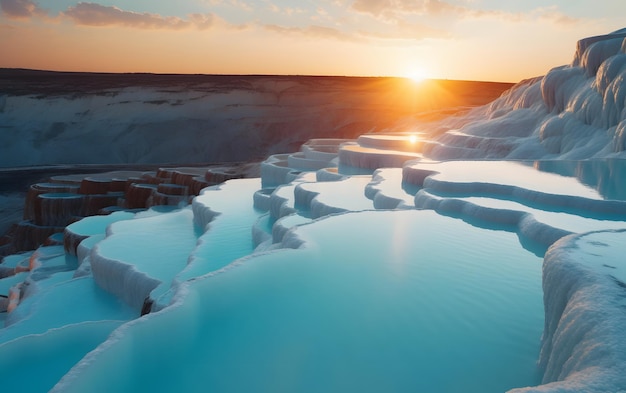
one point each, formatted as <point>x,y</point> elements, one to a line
<point>249,75</point>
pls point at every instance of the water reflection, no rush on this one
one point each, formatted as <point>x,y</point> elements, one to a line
<point>605,175</point>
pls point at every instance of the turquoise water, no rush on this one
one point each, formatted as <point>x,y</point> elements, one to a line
<point>373,301</point>
<point>604,175</point>
<point>52,310</point>
<point>228,235</point>
<point>34,363</point>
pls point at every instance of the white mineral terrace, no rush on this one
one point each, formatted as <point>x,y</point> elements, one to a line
<point>171,258</point>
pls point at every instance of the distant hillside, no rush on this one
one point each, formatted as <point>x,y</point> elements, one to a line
<point>52,118</point>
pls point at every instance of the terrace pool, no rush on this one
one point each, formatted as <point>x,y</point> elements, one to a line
<point>368,301</point>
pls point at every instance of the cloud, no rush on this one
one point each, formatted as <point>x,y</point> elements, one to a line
<point>242,5</point>
<point>389,9</point>
<point>553,14</point>
<point>289,11</point>
<point>313,31</point>
<point>21,9</point>
<point>93,14</point>
<point>395,10</point>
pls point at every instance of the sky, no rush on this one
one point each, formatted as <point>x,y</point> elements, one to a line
<point>487,40</point>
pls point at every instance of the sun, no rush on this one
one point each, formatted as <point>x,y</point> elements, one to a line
<point>416,75</point>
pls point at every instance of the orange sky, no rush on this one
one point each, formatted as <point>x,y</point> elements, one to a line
<point>471,40</point>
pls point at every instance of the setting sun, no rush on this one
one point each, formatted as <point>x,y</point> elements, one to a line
<point>416,74</point>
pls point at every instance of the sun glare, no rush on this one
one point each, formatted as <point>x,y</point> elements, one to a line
<point>416,74</point>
